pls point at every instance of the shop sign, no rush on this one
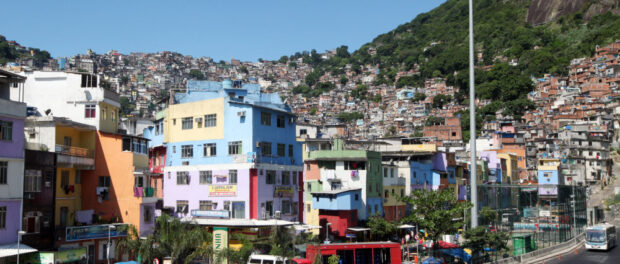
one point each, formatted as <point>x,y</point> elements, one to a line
<point>222,190</point>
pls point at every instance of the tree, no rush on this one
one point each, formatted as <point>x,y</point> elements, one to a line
<point>488,215</point>
<point>440,100</point>
<point>349,117</point>
<point>433,120</point>
<point>435,212</point>
<point>283,59</point>
<point>381,229</point>
<point>479,238</point>
<point>333,259</point>
<point>360,92</point>
<point>342,51</point>
<point>343,80</point>
<point>418,97</point>
<point>196,74</point>
<point>244,69</point>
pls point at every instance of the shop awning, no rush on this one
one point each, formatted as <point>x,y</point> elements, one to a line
<point>8,250</point>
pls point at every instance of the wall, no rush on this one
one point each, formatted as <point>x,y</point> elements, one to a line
<point>41,202</point>
<point>111,161</point>
<point>13,220</point>
<point>341,201</point>
<point>174,131</point>
<point>108,117</point>
<point>72,200</point>
<point>340,221</point>
<point>14,148</point>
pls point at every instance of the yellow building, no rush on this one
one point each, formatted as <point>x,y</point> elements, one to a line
<point>195,115</point>
<point>512,170</point>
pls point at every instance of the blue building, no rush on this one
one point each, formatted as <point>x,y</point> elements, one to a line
<point>232,149</point>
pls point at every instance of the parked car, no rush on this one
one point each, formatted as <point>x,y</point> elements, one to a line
<point>267,259</point>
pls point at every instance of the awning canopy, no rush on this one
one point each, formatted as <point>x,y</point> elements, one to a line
<point>8,250</point>
<point>358,229</point>
<point>405,226</point>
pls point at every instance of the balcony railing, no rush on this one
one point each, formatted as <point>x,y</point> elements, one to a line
<point>74,151</point>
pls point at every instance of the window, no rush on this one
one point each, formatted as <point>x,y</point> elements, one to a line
<point>294,176</point>
<point>32,181</point>
<point>385,172</point>
<point>303,132</point>
<point>182,178</point>
<point>265,119</point>
<point>269,208</point>
<point>281,150</point>
<point>286,178</point>
<point>2,217</point>
<point>4,165</point>
<point>67,141</point>
<point>187,123</point>
<point>206,206</point>
<point>234,148</point>
<point>64,178</point>
<point>286,207</point>
<point>265,148</point>
<point>357,197</point>
<point>280,121</point>
<point>387,194</point>
<point>308,208</point>
<point>308,166</point>
<point>393,172</point>
<point>148,214</point>
<point>174,121</point>
<point>182,206</point>
<point>139,181</point>
<point>238,210</point>
<point>6,130</point>
<point>126,144</point>
<point>402,193</point>
<point>232,176</point>
<point>206,177</point>
<point>89,111</point>
<point>78,177</point>
<point>103,113</point>
<point>211,120</point>
<point>187,151</point>
<point>104,181</point>
<point>210,150</point>
<point>290,151</point>
<point>271,177</point>
<point>89,80</point>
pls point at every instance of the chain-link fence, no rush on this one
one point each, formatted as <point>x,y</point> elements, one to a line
<point>536,216</point>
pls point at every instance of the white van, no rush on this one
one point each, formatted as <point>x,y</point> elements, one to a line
<point>267,259</point>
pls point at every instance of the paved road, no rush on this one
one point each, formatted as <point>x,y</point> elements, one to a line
<point>584,257</point>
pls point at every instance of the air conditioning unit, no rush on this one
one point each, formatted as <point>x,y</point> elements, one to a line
<point>241,113</point>
<point>198,119</point>
<point>276,215</point>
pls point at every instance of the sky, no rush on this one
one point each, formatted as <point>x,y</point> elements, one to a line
<point>222,30</point>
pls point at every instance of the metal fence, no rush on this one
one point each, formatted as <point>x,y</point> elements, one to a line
<point>546,215</point>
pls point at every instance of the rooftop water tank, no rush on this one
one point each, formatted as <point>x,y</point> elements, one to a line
<point>227,84</point>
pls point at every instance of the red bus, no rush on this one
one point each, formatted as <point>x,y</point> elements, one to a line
<point>356,253</point>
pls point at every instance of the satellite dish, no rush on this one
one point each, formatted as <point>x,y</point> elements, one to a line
<point>48,112</point>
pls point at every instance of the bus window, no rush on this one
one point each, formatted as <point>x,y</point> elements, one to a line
<point>596,236</point>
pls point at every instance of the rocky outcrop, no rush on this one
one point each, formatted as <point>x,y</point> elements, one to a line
<point>543,11</point>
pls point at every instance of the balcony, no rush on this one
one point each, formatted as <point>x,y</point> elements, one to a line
<point>148,194</point>
<point>81,158</point>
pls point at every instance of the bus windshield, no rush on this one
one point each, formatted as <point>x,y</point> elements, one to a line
<point>595,236</point>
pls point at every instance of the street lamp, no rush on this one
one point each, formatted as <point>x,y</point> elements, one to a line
<point>110,228</point>
<point>20,233</point>
<point>327,232</point>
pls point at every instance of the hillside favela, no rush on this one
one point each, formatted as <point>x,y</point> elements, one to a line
<point>444,131</point>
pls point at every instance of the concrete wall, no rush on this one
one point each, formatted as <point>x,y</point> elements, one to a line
<point>342,201</point>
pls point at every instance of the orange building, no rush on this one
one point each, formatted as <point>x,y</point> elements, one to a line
<point>119,188</point>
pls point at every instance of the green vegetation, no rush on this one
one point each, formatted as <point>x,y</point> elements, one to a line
<point>9,53</point>
<point>350,117</point>
<point>418,97</point>
<point>440,100</point>
<point>196,74</point>
<point>333,259</point>
<point>435,212</point>
<point>479,238</point>
<point>433,120</point>
<point>360,92</point>
<point>381,229</point>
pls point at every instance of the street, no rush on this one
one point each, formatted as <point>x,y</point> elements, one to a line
<point>584,256</point>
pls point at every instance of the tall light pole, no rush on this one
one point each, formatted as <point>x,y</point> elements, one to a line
<point>19,239</point>
<point>110,227</point>
<point>473,178</point>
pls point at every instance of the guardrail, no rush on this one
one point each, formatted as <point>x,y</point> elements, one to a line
<point>74,151</point>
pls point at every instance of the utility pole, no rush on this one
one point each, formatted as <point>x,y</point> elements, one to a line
<point>473,178</point>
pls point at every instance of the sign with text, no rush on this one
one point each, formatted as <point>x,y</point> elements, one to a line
<point>211,213</point>
<point>222,190</point>
<point>70,255</point>
<point>39,258</point>
<point>283,191</point>
<point>75,233</point>
<point>220,240</point>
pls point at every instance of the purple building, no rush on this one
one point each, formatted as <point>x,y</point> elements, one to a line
<point>12,116</point>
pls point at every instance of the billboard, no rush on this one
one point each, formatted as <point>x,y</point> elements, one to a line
<point>222,190</point>
<point>283,191</point>
<point>76,233</point>
<point>220,240</point>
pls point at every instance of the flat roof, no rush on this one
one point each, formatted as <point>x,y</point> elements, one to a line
<point>336,191</point>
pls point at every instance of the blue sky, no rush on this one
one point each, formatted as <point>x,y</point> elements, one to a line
<point>245,30</point>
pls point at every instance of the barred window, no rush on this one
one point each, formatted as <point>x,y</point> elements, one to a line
<point>187,151</point>
<point>32,180</point>
<point>265,119</point>
<point>210,120</point>
<point>281,150</point>
<point>265,148</point>
<point>206,177</point>
<point>234,148</point>
<point>210,150</point>
<point>182,178</point>
<point>187,123</point>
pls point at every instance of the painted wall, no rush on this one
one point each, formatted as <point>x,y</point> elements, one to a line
<point>13,220</point>
<point>61,93</point>
<point>111,161</point>
<point>340,221</point>
<point>176,113</point>
<point>421,174</point>
<point>266,192</point>
<point>344,201</point>
<point>14,148</point>
<point>71,199</point>
<point>108,117</point>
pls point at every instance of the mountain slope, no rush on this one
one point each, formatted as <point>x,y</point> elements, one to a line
<point>435,44</point>
<point>10,51</point>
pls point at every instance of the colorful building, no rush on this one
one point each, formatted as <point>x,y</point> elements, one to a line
<point>345,186</point>
<point>548,174</point>
<point>231,151</point>
<point>12,114</point>
<point>393,190</point>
